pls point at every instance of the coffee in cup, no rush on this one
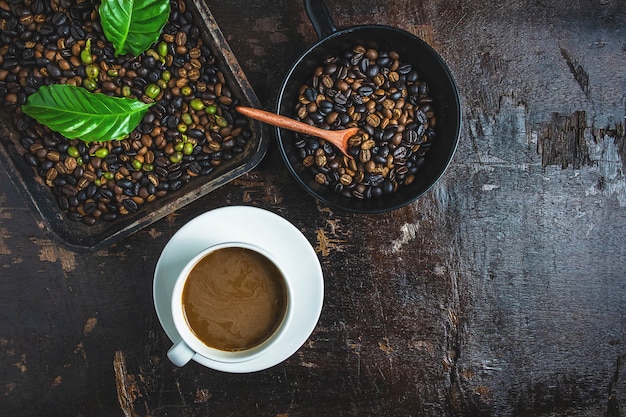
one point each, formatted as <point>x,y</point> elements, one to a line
<point>230,304</point>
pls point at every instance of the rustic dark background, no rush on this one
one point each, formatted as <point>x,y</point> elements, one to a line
<point>501,292</point>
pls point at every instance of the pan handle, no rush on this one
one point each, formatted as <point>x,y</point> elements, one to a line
<point>320,18</point>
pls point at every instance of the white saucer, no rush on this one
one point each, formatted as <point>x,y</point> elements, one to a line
<point>259,227</point>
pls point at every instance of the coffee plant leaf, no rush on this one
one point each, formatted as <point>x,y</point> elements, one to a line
<point>74,112</point>
<point>132,26</point>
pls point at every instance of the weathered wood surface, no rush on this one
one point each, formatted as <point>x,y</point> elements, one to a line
<point>501,292</point>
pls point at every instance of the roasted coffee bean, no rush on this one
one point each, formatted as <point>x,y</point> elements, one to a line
<point>109,216</point>
<point>59,19</point>
<point>72,215</point>
<point>383,96</point>
<point>77,32</point>
<point>372,71</point>
<point>89,220</point>
<point>130,205</point>
<point>69,190</point>
<point>63,202</point>
<point>366,90</point>
<point>340,99</point>
<point>31,159</point>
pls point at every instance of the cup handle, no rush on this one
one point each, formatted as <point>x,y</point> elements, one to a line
<point>180,353</point>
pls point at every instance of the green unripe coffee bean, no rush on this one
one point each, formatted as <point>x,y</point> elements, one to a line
<point>221,122</point>
<point>186,118</point>
<point>197,104</point>
<point>188,148</point>
<point>90,84</point>
<point>92,71</point>
<point>136,164</point>
<point>162,49</point>
<point>186,90</point>
<point>176,157</point>
<point>153,90</point>
<point>211,109</point>
<point>73,152</point>
<point>85,54</point>
<point>101,152</point>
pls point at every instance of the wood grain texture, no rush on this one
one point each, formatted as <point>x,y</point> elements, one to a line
<point>501,292</point>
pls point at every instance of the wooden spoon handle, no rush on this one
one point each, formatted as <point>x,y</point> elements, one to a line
<point>281,121</point>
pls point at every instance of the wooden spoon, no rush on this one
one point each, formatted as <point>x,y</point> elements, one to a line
<point>339,138</point>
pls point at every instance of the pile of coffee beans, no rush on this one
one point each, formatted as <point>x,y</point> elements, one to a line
<point>190,130</point>
<point>375,91</point>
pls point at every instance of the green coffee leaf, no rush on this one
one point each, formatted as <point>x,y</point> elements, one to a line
<point>75,112</point>
<point>132,26</point>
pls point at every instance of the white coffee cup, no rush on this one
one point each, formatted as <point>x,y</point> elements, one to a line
<point>189,345</point>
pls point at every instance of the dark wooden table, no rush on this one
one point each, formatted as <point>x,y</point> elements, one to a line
<point>501,292</point>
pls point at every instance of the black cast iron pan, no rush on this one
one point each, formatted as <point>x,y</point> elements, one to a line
<point>412,50</point>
